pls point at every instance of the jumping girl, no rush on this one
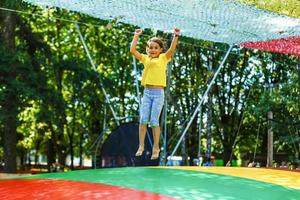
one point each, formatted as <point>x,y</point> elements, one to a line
<point>154,82</point>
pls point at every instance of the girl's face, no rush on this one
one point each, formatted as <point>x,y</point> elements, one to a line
<point>153,49</point>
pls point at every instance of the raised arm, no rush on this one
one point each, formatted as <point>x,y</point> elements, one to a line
<point>133,50</point>
<point>173,45</point>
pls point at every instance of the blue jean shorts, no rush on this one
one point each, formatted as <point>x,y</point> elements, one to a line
<point>151,106</point>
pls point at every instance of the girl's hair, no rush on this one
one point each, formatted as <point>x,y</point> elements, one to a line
<point>156,40</point>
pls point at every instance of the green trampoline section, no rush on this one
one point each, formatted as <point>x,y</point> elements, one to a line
<point>183,184</point>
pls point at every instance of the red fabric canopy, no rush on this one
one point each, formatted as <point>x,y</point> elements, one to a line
<point>289,45</point>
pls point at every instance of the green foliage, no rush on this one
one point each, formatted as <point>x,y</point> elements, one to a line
<point>17,76</point>
<point>286,7</point>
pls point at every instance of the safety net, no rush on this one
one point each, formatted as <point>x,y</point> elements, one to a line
<point>225,21</point>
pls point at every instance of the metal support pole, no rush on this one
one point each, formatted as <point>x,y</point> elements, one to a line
<point>201,101</point>
<point>167,92</point>
<point>270,123</point>
<point>199,136</point>
<point>270,140</point>
<point>94,67</point>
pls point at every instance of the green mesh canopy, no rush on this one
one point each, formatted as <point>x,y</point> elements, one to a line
<point>214,20</point>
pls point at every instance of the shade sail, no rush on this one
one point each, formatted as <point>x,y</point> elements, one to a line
<point>225,21</point>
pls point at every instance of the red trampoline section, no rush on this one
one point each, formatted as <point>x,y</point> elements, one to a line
<point>289,45</point>
<point>46,189</point>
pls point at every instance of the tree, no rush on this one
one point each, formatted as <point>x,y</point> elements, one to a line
<point>11,102</point>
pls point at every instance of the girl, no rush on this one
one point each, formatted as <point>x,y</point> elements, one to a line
<point>154,82</point>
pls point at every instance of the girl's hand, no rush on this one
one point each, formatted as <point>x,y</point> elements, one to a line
<point>176,31</point>
<point>138,32</point>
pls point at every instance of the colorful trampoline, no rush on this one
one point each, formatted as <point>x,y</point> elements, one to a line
<point>216,20</point>
<point>217,183</point>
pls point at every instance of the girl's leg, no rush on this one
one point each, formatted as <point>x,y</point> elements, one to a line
<point>144,118</point>
<point>156,135</point>
<point>142,134</point>
<point>157,105</point>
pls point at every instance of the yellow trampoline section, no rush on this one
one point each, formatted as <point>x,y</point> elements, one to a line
<point>279,177</point>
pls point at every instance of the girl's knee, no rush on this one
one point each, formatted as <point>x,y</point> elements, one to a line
<point>154,123</point>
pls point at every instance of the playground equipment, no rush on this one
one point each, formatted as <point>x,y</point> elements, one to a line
<point>216,20</point>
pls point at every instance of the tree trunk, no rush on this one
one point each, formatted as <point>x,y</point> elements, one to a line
<point>208,127</point>
<point>36,155</point>
<point>10,104</point>
<point>183,150</point>
<point>10,136</point>
<point>71,151</point>
<point>81,148</point>
<point>183,143</point>
<point>193,141</point>
<point>227,153</point>
<point>71,136</point>
<point>51,153</point>
<point>60,105</point>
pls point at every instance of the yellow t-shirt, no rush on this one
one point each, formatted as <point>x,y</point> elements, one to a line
<point>154,70</point>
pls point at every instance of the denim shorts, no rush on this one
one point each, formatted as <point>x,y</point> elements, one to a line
<point>151,106</point>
